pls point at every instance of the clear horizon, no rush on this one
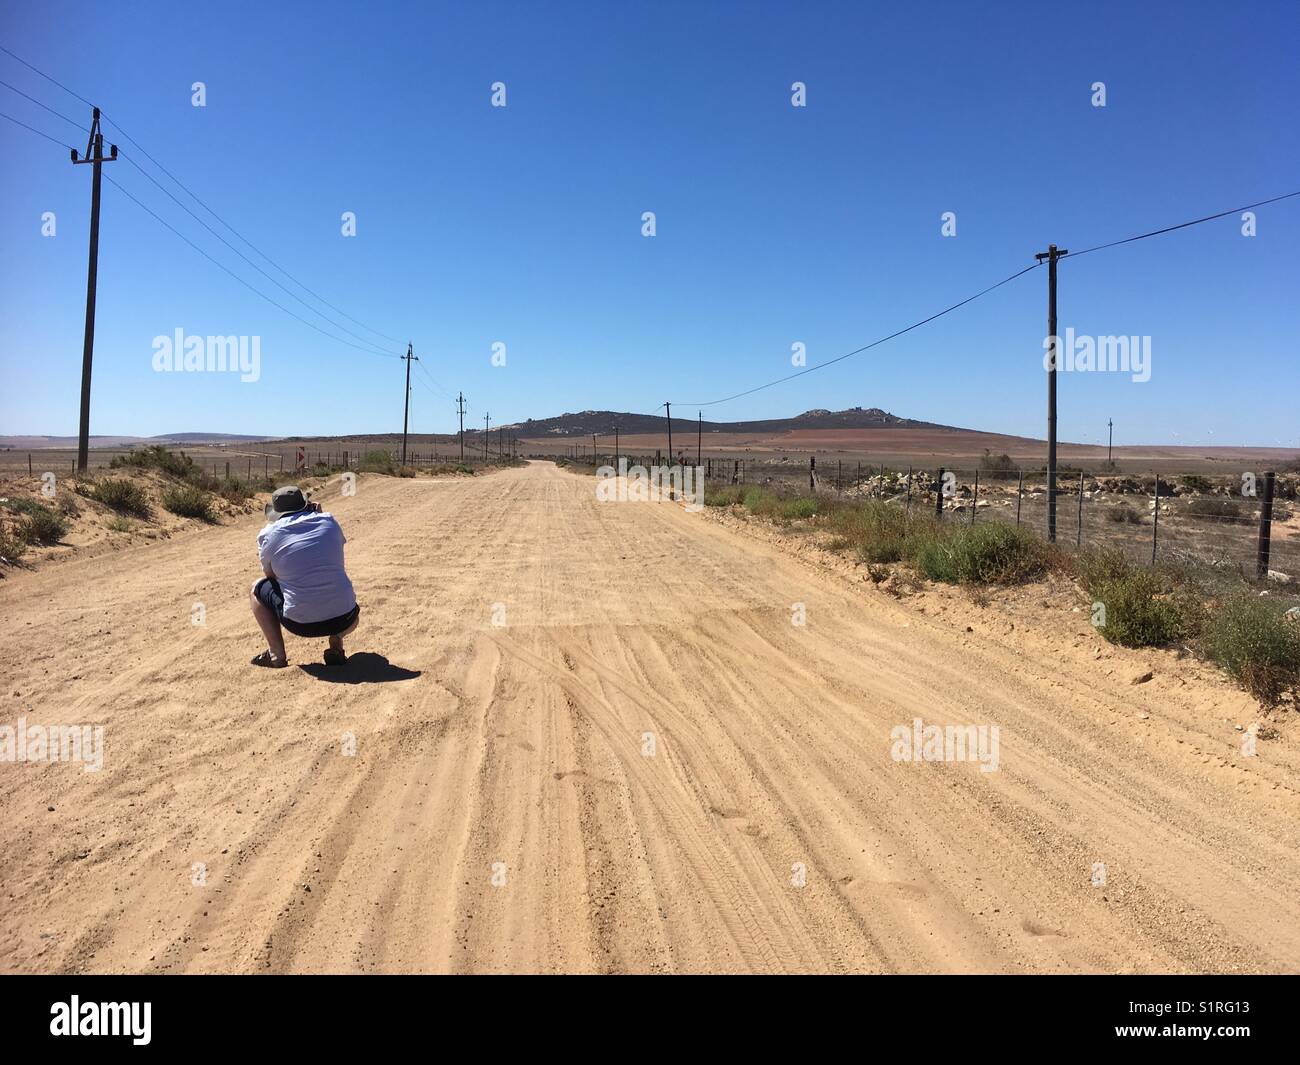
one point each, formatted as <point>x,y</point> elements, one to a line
<point>775,225</point>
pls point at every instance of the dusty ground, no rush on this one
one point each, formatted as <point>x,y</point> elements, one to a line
<point>517,752</point>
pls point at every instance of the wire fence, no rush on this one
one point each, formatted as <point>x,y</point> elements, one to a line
<point>1222,522</point>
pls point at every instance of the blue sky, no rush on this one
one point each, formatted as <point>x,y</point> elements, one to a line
<point>775,224</point>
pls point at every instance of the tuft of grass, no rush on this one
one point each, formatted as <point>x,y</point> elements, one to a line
<point>120,524</point>
<point>126,497</point>
<point>1256,645</point>
<point>189,502</point>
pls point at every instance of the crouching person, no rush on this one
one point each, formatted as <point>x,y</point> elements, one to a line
<point>306,588</point>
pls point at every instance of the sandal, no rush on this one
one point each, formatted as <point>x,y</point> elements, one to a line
<point>269,660</point>
<point>334,658</point>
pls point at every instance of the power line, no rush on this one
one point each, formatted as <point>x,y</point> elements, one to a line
<point>1184,225</point>
<point>251,288</point>
<point>294,295</point>
<point>866,347</point>
<point>195,197</point>
<point>38,133</point>
<point>432,381</point>
<point>969,299</point>
<point>57,114</point>
<point>215,262</point>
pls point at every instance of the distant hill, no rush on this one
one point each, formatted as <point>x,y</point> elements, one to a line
<point>604,422</point>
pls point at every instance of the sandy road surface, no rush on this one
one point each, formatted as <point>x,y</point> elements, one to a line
<point>525,744</point>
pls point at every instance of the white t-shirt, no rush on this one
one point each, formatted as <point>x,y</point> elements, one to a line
<point>305,552</point>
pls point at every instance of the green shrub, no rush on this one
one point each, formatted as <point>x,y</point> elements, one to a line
<point>799,507</point>
<point>1196,483</point>
<point>725,496</point>
<point>1220,509</point>
<point>998,467</point>
<point>878,532</point>
<point>1123,515</point>
<point>236,489</point>
<point>189,502</point>
<point>1141,607</point>
<point>156,457</point>
<point>120,524</point>
<point>40,525</point>
<point>1256,645</point>
<point>126,497</point>
<point>12,546</point>
<point>991,553</point>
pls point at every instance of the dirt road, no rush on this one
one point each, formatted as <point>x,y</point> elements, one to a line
<point>597,741</point>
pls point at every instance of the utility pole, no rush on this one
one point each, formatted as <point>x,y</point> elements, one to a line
<point>669,409</point>
<point>1051,255</point>
<point>1110,440</point>
<point>593,449</point>
<point>408,358</point>
<point>487,421</point>
<point>460,410</point>
<point>94,156</point>
<point>29,458</point>
<point>699,439</point>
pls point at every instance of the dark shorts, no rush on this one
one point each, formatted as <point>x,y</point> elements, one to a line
<point>269,595</point>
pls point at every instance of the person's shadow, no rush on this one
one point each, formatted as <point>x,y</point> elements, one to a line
<point>364,667</point>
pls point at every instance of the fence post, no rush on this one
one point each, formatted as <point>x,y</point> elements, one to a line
<point>938,495</point>
<point>29,464</point>
<point>880,485</point>
<point>812,474</point>
<point>1155,521</point>
<point>907,506</point>
<point>1078,532</point>
<point>975,498</point>
<point>1020,495</point>
<point>227,469</point>
<point>1265,528</point>
<point>839,474</point>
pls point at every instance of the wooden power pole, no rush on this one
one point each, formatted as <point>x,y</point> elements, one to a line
<point>409,358</point>
<point>94,156</point>
<point>669,409</point>
<point>1051,255</point>
<point>460,410</point>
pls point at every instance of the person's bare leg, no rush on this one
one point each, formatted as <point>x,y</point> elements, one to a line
<point>269,624</point>
<point>336,642</point>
